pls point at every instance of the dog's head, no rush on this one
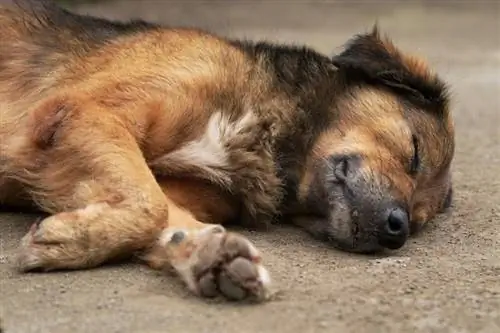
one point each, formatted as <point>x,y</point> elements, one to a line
<point>383,166</point>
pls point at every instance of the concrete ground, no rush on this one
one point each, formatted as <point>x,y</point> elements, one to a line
<point>445,280</point>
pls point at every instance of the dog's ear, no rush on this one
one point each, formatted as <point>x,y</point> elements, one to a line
<point>376,60</point>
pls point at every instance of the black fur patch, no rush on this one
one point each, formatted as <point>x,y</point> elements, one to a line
<point>47,15</point>
<point>367,59</point>
<point>307,77</point>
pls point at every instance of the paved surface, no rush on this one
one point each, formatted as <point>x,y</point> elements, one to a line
<point>446,280</point>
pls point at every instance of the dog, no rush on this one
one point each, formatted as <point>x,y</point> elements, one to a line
<point>139,138</point>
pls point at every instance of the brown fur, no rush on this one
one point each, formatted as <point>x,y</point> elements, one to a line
<point>122,131</point>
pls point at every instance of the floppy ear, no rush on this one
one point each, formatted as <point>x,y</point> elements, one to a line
<point>371,59</point>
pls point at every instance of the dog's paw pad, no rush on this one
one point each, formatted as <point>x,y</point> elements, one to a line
<point>213,262</point>
<point>241,278</point>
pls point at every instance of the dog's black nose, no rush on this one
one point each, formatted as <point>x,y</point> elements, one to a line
<point>394,231</point>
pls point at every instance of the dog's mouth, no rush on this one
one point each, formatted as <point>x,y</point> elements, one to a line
<point>354,211</point>
<point>358,241</point>
<point>353,223</point>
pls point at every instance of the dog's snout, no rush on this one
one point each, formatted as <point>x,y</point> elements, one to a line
<point>394,229</point>
<point>369,207</point>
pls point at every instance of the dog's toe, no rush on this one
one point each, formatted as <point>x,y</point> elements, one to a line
<point>49,245</point>
<point>29,257</point>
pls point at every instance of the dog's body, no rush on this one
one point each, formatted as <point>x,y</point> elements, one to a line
<point>126,133</point>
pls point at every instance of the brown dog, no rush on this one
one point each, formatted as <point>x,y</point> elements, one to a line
<point>137,137</point>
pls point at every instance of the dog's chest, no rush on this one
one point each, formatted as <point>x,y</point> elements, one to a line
<point>210,155</point>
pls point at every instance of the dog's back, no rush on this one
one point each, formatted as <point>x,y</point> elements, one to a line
<point>166,84</point>
<point>46,50</point>
<point>40,40</point>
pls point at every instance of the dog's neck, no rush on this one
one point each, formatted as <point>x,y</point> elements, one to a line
<point>304,74</point>
<point>309,79</point>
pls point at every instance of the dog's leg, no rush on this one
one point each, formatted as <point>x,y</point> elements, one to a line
<point>83,165</point>
<point>207,258</point>
<point>121,211</point>
<point>210,260</point>
<point>91,173</point>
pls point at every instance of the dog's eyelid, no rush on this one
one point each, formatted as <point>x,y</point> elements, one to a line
<point>415,160</point>
<point>414,140</point>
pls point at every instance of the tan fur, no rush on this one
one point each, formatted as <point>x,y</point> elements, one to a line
<point>377,114</point>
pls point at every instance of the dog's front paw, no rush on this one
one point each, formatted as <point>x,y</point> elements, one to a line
<point>37,253</point>
<point>57,242</point>
<point>214,262</point>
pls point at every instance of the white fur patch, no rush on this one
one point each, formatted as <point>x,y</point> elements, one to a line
<point>264,276</point>
<point>208,150</point>
<point>208,153</point>
<point>167,233</point>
